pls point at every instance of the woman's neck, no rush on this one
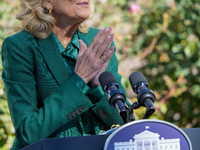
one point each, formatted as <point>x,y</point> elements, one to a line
<point>65,34</point>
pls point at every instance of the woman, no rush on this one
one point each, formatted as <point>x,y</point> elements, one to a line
<point>51,71</point>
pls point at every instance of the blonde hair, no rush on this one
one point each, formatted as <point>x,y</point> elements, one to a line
<point>36,19</point>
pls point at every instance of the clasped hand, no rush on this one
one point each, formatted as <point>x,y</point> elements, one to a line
<point>94,60</point>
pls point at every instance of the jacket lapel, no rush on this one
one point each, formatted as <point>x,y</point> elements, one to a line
<point>51,54</point>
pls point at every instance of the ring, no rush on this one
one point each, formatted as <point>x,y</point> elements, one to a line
<point>104,53</point>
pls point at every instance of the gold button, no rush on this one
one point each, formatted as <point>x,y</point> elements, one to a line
<point>70,117</point>
<point>104,116</point>
<point>81,109</point>
<point>74,114</point>
<point>99,111</point>
<point>77,111</point>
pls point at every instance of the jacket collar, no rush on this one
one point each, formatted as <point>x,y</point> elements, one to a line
<point>53,58</point>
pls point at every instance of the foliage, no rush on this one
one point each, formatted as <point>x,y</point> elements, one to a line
<point>161,40</point>
<point>7,21</point>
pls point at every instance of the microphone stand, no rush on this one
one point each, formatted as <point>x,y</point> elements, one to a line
<point>146,98</point>
<point>149,110</point>
<point>128,117</point>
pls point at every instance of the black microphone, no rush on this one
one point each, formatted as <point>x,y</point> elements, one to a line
<point>145,96</point>
<point>116,97</point>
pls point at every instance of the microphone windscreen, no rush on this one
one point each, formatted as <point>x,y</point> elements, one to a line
<point>137,77</point>
<point>105,78</point>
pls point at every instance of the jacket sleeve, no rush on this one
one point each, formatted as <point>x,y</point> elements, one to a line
<point>30,122</point>
<point>103,105</point>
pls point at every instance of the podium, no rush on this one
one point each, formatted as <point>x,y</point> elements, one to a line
<point>95,142</point>
<point>193,134</point>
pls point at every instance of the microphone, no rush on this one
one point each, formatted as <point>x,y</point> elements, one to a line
<point>115,96</point>
<point>145,96</point>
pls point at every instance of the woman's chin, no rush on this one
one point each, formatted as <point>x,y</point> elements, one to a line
<point>83,17</point>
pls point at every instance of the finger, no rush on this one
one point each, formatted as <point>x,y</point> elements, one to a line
<point>101,42</point>
<point>105,48</point>
<point>111,40</point>
<point>106,56</point>
<point>95,39</point>
<point>82,48</point>
<point>104,67</point>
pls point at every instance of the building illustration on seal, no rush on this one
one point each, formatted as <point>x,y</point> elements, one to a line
<point>148,140</point>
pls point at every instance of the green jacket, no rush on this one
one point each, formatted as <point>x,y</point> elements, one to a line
<point>43,99</point>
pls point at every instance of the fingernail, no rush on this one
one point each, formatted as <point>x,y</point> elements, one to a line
<point>106,30</point>
<point>112,49</point>
<point>101,29</point>
<point>110,52</point>
<point>108,38</point>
